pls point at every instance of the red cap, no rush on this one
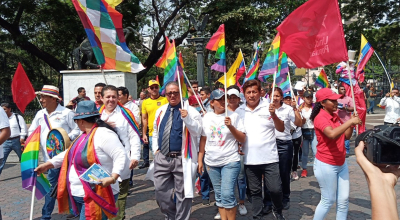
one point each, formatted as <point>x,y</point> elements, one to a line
<point>192,100</point>
<point>327,93</point>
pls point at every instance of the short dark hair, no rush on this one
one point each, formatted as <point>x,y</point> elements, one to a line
<point>395,88</point>
<point>341,86</point>
<point>124,90</point>
<point>206,89</point>
<point>6,104</point>
<point>193,82</point>
<point>109,87</point>
<point>100,85</point>
<point>233,87</point>
<point>80,89</point>
<point>251,83</point>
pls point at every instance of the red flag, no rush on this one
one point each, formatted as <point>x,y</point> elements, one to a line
<point>157,79</point>
<point>22,89</point>
<point>312,35</point>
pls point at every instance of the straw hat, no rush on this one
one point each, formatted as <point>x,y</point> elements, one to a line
<point>50,91</point>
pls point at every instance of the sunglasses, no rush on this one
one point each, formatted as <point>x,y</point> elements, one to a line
<point>172,93</point>
<point>153,87</point>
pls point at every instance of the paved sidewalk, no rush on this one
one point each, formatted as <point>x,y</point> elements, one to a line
<point>15,202</point>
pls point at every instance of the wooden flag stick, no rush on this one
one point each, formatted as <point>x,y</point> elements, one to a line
<point>180,87</point>
<point>190,85</point>
<point>291,90</point>
<point>226,97</point>
<point>352,93</point>
<point>273,89</point>
<point>39,102</point>
<point>104,76</point>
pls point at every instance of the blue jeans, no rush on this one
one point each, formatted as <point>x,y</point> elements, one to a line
<point>205,184</point>
<point>80,204</point>
<point>335,187</point>
<point>49,202</point>
<point>8,146</point>
<point>347,146</point>
<point>371,106</point>
<point>306,148</point>
<point>146,150</point>
<point>241,182</point>
<point>224,180</point>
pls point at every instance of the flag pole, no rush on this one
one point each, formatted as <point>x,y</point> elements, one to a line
<point>291,90</point>
<point>32,201</point>
<point>273,89</point>
<point>104,76</point>
<point>384,68</point>
<point>39,102</point>
<point>197,99</point>
<point>352,93</point>
<point>226,96</point>
<point>180,87</point>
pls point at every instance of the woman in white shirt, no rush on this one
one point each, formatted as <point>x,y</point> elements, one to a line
<point>219,145</point>
<point>309,137</point>
<point>92,146</point>
<point>284,144</point>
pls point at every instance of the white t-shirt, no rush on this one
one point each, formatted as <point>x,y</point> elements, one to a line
<point>260,146</point>
<point>286,114</point>
<point>221,145</point>
<point>306,115</point>
<point>4,123</point>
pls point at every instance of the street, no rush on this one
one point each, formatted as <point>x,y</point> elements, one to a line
<point>141,204</point>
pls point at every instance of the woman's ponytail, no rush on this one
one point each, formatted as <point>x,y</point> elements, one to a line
<point>315,111</point>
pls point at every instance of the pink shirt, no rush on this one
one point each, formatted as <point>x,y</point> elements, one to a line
<point>342,113</point>
<point>330,151</point>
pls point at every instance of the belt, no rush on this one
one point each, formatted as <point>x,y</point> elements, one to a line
<point>13,138</point>
<point>173,154</point>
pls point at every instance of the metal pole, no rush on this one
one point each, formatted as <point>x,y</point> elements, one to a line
<point>200,62</point>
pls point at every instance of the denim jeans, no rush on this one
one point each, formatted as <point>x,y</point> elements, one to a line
<point>8,146</point>
<point>347,146</point>
<point>272,180</point>
<point>306,149</point>
<point>49,202</point>
<point>205,184</point>
<point>146,150</point>
<point>335,187</point>
<point>80,204</point>
<point>285,152</point>
<point>371,106</point>
<point>241,182</point>
<point>224,180</point>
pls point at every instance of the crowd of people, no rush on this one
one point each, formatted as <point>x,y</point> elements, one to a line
<point>257,142</point>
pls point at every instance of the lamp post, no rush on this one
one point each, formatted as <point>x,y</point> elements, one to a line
<point>199,42</point>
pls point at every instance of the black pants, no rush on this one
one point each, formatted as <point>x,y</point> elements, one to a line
<point>272,181</point>
<point>296,148</point>
<point>387,123</point>
<point>285,151</point>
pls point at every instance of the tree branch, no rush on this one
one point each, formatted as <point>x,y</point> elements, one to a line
<point>22,42</point>
<point>17,18</point>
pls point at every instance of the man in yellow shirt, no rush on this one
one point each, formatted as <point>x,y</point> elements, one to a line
<point>149,108</point>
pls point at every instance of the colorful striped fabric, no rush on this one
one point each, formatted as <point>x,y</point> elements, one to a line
<point>282,79</point>
<point>169,62</point>
<point>322,80</point>
<point>103,27</point>
<point>255,64</point>
<point>240,71</point>
<point>29,161</point>
<point>366,52</point>
<point>217,43</point>
<point>182,79</point>
<point>270,65</point>
<point>188,145</point>
<point>181,59</point>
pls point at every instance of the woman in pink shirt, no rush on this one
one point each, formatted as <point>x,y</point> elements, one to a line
<point>330,167</point>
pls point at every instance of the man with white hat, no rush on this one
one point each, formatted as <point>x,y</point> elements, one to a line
<point>53,115</point>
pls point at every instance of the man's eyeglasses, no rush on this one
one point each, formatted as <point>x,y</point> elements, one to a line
<point>169,94</point>
<point>153,87</point>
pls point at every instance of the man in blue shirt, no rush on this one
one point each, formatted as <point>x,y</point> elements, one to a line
<point>176,129</point>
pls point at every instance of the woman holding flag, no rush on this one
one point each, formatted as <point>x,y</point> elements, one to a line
<point>92,146</point>
<point>284,143</point>
<point>330,167</point>
<point>219,147</point>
